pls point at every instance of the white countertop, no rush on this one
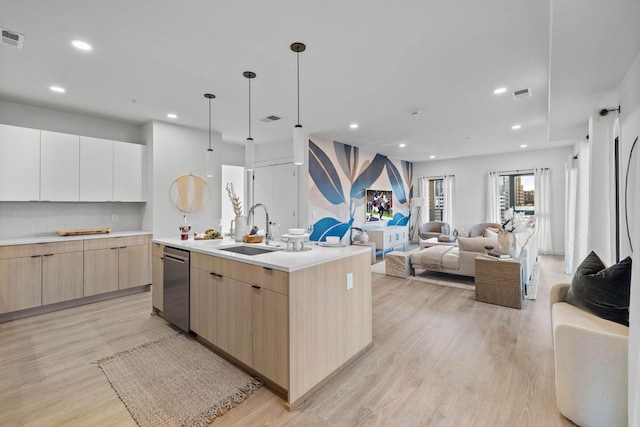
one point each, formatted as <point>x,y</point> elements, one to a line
<point>278,259</point>
<point>54,238</point>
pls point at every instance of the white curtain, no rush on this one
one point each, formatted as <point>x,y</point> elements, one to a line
<point>542,203</point>
<point>493,197</point>
<point>423,191</point>
<point>581,213</point>
<point>571,192</point>
<point>601,227</point>
<point>449,190</point>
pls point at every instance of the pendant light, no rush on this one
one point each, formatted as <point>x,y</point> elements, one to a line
<point>209,155</point>
<point>249,148</point>
<point>299,139</point>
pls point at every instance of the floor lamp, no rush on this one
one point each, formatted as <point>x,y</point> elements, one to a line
<point>418,202</point>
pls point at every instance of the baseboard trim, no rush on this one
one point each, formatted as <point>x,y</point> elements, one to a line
<point>21,314</point>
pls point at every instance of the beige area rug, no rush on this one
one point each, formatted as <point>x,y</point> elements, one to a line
<point>175,381</point>
<point>461,282</point>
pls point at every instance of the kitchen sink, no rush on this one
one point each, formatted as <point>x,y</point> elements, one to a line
<point>247,250</point>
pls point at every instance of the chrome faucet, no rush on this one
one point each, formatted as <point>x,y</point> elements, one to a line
<point>250,220</point>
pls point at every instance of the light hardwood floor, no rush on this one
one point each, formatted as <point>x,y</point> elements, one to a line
<point>439,359</point>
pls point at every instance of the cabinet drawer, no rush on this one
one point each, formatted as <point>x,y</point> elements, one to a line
<point>115,242</point>
<point>157,250</point>
<point>63,247</point>
<point>19,251</point>
<point>268,278</point>
<point>208,263</point>
<point>131,240</point>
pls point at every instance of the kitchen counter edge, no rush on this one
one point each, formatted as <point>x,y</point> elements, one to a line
<point>279,259</point>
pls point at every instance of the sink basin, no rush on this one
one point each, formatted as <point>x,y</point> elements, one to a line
<point>247,250</point>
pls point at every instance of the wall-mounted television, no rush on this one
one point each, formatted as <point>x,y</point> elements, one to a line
<point>379,205</point>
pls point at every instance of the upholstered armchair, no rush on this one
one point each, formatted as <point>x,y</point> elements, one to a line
<point>431,229</point>
<point>478,229</point>
<point>591,357</point>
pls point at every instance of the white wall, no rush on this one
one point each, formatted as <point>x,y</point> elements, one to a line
<point>178,150</point>
<point>628,95</point>
<point>28,116</point>
<point>471,183</point>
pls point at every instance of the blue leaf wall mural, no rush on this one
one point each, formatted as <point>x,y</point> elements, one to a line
<point>347,156</point>
<point>396,182</point>
<point>333,169</point>
<point>368,176</point>
<point>324,175</point>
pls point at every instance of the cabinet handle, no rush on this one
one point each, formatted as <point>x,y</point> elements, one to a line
<point>268,268</point>
<point>114,248</point>
<point>36,256</point>
<point>48,255</point>
<point>256,287</point>
<point>123,247</point>
<point>216,274</point>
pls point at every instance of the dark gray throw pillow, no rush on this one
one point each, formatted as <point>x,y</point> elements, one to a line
<point>600,290</point>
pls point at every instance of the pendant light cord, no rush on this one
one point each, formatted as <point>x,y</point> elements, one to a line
<point>249,108</point>
<point>298,68</point>
<point>209,123</point>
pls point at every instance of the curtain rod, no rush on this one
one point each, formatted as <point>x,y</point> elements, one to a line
<point>435,176</point>
<point>516,171</point>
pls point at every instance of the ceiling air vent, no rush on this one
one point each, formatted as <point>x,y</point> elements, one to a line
<point>270,119</point>
<point>12,39</point>
<point>521,94</point>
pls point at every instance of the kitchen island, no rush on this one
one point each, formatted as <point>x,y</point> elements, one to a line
<point>294,319</point>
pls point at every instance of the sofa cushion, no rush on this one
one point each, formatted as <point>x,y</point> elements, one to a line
<point>476,244</point>
<point>600,290</point>
<point>491,232</point>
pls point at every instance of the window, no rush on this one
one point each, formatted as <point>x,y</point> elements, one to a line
<point>435,190</point>
<point>517,191</point>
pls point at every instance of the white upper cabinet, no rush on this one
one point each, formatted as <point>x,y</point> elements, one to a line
<point>59,167</point>
<point>96,169</point>
<point>128,172</point>
<point>19,163</point>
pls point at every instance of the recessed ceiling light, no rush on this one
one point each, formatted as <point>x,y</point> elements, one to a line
<point>523,146</point>
<point>432,156</point>
<point>402,145</point>
<point>516,127</point>
<point>79,44</point>
<point>172,116</point>
<point>57,89</point>
<point>500,90</point>
<point>353,126</point>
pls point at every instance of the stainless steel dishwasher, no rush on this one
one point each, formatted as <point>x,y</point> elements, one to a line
<point>176,287</point>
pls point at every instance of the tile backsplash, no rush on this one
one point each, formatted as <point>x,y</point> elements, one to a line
<point>33,219</point>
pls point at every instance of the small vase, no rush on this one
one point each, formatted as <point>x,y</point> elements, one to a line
<point>241,228</point>
<point>507,244</point>
<point>364,237</point>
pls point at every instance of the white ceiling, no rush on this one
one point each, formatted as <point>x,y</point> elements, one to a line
<point>370,62</point>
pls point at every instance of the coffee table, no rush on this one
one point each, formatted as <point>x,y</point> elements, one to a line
<point>435,242</point>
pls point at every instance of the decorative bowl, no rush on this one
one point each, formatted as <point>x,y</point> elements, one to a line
<point>333,240</point>
<point>253,238</point>
<point>296,231</point>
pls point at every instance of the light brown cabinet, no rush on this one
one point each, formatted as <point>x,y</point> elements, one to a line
<point>115,263</point>
<point>20,277</point>
<point>40,274</point>
<point>271,335</point>
<point>62,272</point>
<point>234,308</point>
<point>157,275</point>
